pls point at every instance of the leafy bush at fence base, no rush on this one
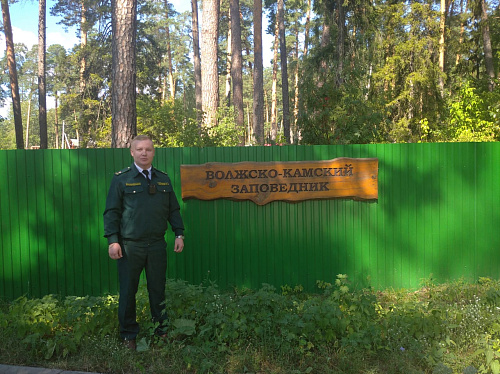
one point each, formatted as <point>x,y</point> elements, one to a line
<point>453,328</point>
<point>53,327</point>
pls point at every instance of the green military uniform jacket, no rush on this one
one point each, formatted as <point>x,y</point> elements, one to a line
<point>134,214</point>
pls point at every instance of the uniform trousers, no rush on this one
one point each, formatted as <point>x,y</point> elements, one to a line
<point>138,256</point>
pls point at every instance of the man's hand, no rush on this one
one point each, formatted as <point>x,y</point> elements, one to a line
<point>179,245</point>
<point>115,251</point>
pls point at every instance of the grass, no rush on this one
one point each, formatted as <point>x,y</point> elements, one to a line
<point>446,328</point>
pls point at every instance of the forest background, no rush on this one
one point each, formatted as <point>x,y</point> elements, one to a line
<point>342,72</point>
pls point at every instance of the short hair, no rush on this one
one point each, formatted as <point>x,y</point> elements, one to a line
<point>139,138</point>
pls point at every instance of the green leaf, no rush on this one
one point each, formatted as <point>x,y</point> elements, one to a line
<point>478,352</point>
<point>184,326</point>
<point>142,345</point>
<point>489,356</point>
<point>51,347</point>
<point>495,367</point>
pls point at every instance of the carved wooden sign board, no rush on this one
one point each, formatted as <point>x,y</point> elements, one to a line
<point>263,182</point>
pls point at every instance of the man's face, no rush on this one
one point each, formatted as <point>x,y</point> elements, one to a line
<point>143,152</point>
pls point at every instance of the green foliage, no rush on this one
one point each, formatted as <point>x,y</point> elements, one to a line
<point>87,118</point>
<point>332,115</point>
<point>490,350</point>
<point>474,118</point>
<point>450,328</point>
<point>226,133</point>
<point>7,135</point>
<point>380,80</point>
<point>394,89</point>
<point>54,328</point>
<point>171,125</point>
<point>406,84</point>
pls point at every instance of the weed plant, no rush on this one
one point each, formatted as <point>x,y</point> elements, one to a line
<point>447,328</point>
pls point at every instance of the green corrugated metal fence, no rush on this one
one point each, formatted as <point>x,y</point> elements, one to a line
<point>438,215</point>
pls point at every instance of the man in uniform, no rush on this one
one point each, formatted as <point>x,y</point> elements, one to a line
<point>140,202</point>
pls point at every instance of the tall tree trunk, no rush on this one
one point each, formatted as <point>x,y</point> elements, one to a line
<point>237,67</point>
<point>296,88</point>
<point>28,120</point>
<point>284,71</point>
<point>325,41</point>
<point>266,108</point>
<point>306,49</point>
<point>340,41</point>
<point>197,60</point>
<point>258,75</point>
<point>353,48</point>
<point>274,89</point>
<point>209,73</point>
<point>171,82</point>
<point>228,63</point>
<point>488,53</point>
<point>163,78</point>
<point>249,125</point>
<point>14,85</point>
<point>83,49</point>
<point>307,28</point>
<point>442,38</point>
<point>124,114</point>
<point>462,31</point>
<point>42,93</point>
<point>56,122</point>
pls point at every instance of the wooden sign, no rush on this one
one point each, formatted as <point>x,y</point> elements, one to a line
<point>263,182</point>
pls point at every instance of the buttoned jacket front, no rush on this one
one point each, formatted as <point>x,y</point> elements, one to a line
<point>136,213</point>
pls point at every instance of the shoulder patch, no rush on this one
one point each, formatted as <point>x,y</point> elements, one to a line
<point>123,171</point>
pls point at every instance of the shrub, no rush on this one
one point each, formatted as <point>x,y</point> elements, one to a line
<point>447,328</point>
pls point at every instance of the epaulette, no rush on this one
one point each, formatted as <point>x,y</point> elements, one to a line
<point>162,172</point>
<point>126,170</point>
